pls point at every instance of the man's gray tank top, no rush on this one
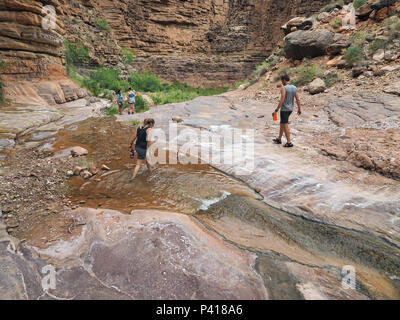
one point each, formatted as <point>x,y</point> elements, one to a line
<point>288,104</point>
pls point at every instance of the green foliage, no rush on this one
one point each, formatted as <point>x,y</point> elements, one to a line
<point>74,21</point>
<point>107,94</point>
<point>127,56</point>
<point>304,74</point>
<point>336,23</point>
<point>377,44</point>
<point>359,38</point>
<point>102,80</point>
<point>354,54</point>
<point>358,3</point>
<point>329,7</point>
<point>141,104</point>
<point>109,79</point>
<point>92,85</point>
<point>394,29</point>
<point>77,53</point>
<point>145,82</point>
<point>112,111</point>
<point>331,79</point>
<point>181,92</point>
<point>281,52</point>
<point>135,123</point>
<point>103,25</point>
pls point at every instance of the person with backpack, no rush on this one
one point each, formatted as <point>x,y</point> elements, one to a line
<point>142,138</point>
<point>131,101</point>
<point>120,101</point>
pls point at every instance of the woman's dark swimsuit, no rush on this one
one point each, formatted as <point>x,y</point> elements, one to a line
<point>141,143</point>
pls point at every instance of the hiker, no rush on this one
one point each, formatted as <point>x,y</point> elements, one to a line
<point>131,101</point>
<point>120,100</point>
<point>288,94</point>
<point>142,138</point>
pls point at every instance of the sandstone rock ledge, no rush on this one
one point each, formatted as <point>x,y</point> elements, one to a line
<point>147,255</point>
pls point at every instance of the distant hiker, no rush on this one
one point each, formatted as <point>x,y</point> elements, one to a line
<point>288,94</point>
<point>131,101</point>
<point>120,100</point>
<point>142,138</point>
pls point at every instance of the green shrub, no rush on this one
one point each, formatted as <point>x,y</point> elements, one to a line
<point>358,3</point>
<point>394,30</point>
<point>103,25</point>
<point>112,111</point>
<point>145,82</point>
<point>92,85</point>
<point>304,74</point>
<point>107,94</point>
<point>141,104</point>
<point>331,79</point>
<point>135,123</point>
<point>377,44</point>
<point>354,54</point>
<point>359,38</point>
<point>109,79</point>
<point>127,56</point>
<point>77,53</point>
<point>336,23</point>
<point>329,7</point>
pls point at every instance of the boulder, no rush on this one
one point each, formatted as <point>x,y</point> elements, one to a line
<point>316,86</point>
<point>77,170</point>
<point>301,44</point>
<point>393,89</point>
<point>93,170</point>
<point>379,55</point>
<point>339,42</point>
<point>298,23</point>
<point>357,71</point>
<point>368,8</point>
<point>78,151</point>
<point>177,119</point>
<point>85,174</point>
<point>323,17</point>
<point>390,68</point>
<point>334,62</point>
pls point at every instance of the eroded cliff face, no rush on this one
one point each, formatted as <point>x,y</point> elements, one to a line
<point>213,42</point>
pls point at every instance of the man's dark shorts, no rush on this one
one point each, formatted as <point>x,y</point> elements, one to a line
<point>141,153</point>
<point>285,116</point>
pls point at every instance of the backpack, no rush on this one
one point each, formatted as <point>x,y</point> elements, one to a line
<point>131,98</point>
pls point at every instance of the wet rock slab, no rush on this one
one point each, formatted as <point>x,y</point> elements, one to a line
<point>147,255</point>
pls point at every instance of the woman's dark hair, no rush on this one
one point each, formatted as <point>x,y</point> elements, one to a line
<point>119,91</point>
<point>149,121</point>
<point>285,77</point>
<point>130,88</point>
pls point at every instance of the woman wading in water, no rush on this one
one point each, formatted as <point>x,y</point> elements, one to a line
<point>142,138</point>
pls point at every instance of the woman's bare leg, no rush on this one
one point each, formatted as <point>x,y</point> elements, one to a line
<point>148,166</point>
<point>137,168</point>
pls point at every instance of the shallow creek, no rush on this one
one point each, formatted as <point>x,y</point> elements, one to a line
<point>229,207</point>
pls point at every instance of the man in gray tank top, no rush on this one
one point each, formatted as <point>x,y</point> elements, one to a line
<point>286,105</point>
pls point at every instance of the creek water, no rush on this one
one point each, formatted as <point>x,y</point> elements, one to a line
<point>232,209</point>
